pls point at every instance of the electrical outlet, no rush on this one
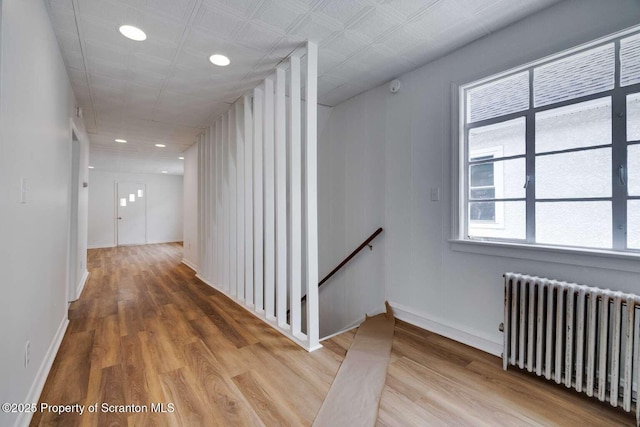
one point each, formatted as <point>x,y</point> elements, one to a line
<point>27,354</point>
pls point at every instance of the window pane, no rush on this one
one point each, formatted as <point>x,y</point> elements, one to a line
<point>580,125</point>
<point>498,140</point>
<point>633,117</point>
<point>630,60</point>
<point>574,175</point>
<point>123,202</point>
<point>504,220</point>
<point>633,224</point>
<point>586,224</point>
<point>481,175</point>
<point>633,167</point>
<point>505,178</point>
<point>578,75</point>
<point>504,96</point>
<point>484,211</point>
<point>132,197</point>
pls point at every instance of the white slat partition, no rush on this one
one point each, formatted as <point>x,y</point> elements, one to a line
<point>248,199</point>
<point>281,198</point>
<point>269,202</point>
<point>231,160</point>
<point>211,205</point>
<point>296,195</point>
<point>219,261</point>
<point>240,188</point>
<point>311,103</point>
<point>258,201</point>
<point>252,197</point>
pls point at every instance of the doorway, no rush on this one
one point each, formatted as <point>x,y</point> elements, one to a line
<point>131,206</point>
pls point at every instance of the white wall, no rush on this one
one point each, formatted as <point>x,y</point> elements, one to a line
<point>454,289</point>
<point>164,207</point>
<point>351,200</point>
<point>36,106</point>
<point>190,208</point>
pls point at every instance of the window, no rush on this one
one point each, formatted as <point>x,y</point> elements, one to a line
<point>551,151</point>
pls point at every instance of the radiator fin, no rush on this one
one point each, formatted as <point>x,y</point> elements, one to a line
<point>583,337</point>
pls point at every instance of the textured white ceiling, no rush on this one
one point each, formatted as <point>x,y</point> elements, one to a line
<point>164,90</point>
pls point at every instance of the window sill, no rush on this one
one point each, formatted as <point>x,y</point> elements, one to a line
<point>611,260</point>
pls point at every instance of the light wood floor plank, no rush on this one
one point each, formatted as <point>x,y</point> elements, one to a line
<point>146,330</point>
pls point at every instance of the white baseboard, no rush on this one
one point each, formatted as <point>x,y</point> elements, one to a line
<point>80,286</point>
<point>355,323</point>
<point>190,264</point>
<point>24,418</point>
<point>422,320</point>
<point>101,246</point>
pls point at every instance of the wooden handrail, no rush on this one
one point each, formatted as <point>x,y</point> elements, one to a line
<point>347,259</point>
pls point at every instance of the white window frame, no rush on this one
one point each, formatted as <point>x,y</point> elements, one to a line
<point>460,217</point>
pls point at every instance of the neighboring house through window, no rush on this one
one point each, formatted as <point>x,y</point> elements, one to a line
<point>551,151</point>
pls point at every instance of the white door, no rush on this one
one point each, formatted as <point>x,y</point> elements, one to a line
<point>132,213</point>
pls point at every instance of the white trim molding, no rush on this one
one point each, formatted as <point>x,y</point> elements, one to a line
<point>471,338</point>
<point>81,284</point>
<point>190,264</point>
<point>24,418</point>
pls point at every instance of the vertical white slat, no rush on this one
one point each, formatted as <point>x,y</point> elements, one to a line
<point>591,342</point>
<point>200,198</point>
<point>615,349</point>
<point>515,287</point>
<point>569,322</point>
<point>311,98</point>
<point>201,205</point>
<point>258,201</point>
<point>559,333</point>
<point>580,330</point>
<point>531,337</point>
<point>211,205</point>
<point>628,354</point>
<point>522,322</point>
<point>539,327</point>
<point>248,199</point>
<point>225,199</point>
<point>508,279</point>
<point>269,202</point>
<point>231,141</point>
<point>603,347</point>
<point>240,188</point>
<point>549,333</point>
<point>208,231</point>
<point>219,203</point>
<point>281,197</point>
<point>296,195</point>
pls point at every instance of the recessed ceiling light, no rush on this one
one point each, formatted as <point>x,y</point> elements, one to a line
<point>133,33</point>
<point>219,60</point>
<point>180,158</point>
<point>160,145</point>
<point>91,167</point>
<point>165,171</point>
<point>121,141</point>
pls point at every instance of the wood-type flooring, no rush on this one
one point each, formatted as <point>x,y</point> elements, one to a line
<point>147,331</point>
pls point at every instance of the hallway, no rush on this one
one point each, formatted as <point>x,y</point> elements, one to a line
<point>147,331</point>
